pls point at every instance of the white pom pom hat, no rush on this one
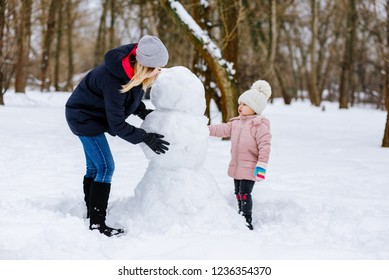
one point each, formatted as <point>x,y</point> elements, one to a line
<point>256,97</point>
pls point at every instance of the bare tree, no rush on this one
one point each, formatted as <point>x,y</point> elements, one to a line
<point>264,22</point>
<point>23,46</point>
<point>69,37</point>
<point>2,25</point>
<point>7,45</point>
<point>106,38</point>
<point>292,32</point>
<point>59,42</point>
<point>276,59</point>
<point>210,52</point>
<point>231,14</point>
<point>385,140</point>
<point>201,14</point>
<point>153,25</point>
<point>312,81</point>
<point>347,63</point>
<point>230,11</point>
<point>47,41</point>
<point>273,39</point>
<point>101,42</point>
<point>328,38</point>
<point>112,24</point>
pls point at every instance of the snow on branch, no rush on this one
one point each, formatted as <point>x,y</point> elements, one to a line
<point>202,35</point>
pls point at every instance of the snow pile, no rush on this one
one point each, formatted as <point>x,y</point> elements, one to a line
<point>325,195</point>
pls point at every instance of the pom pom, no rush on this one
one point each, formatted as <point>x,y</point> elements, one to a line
<point>263,87</point>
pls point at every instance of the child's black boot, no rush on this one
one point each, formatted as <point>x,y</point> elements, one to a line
<point>249,220</point>
<point>98,203</point>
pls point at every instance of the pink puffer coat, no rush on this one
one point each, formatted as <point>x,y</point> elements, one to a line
<point>250,144</point>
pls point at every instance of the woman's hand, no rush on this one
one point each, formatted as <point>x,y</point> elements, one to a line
<point>155,143</point>
<point>143,113</point>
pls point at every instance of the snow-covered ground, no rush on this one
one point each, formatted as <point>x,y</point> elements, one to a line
<point>326,195</point>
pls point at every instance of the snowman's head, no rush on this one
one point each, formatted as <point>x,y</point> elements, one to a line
<point>178,89</point>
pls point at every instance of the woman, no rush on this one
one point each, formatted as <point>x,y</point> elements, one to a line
<point>102,101</point>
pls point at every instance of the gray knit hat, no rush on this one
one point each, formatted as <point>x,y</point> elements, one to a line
<point>151,52</point>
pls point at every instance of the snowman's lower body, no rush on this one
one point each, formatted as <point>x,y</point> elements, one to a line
<point>183,198</point>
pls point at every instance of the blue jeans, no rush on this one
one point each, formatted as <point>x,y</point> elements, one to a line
<point>99,160</point>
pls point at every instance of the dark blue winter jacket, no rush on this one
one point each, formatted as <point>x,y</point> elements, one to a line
<point>97,105</point>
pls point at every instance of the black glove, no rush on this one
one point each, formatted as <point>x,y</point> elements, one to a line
<point>154,141</point>
<point>143,113</point>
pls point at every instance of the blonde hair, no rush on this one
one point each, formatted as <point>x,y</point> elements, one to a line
<point>140,74</point>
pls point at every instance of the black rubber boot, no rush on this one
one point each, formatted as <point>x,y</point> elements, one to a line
<point>87,185</point>
<point>249,220</point>
<point>98,203</point>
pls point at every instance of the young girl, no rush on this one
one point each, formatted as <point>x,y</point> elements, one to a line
<point>100,104</point>
<point>250,144</point>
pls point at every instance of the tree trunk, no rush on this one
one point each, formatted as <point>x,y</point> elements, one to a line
<point>270,74</point>
<point>58,45</point>
<point>153,25</point>
<point>23,47</point>
<point>296,80</point>
<point>347,63</point>
<point>2,24</point>
<point>141,18</point>
<point>258,38</point>
<point>112,25</point>
<point>47,40</point>
<point>313,92</point>
<point>200,68</point>
<point>69,36</point>
<point>100,44</point>
<point>287,97</point>
<point>210,52</point>
<point>266,45</point>
<point>385,141</point>
<point>301,59</point>
<point>273,38</point>
<point>275,74</point>
<point>229,11</point>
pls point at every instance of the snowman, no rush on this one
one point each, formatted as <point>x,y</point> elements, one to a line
<point>176,190</point>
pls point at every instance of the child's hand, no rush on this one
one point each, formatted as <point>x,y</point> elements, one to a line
<point>260,171</point>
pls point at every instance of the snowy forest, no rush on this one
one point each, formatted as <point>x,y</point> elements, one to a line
<point>313,49</point>
<point>326,193</point>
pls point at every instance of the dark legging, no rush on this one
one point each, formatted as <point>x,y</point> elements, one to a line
<point>243,189</point>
